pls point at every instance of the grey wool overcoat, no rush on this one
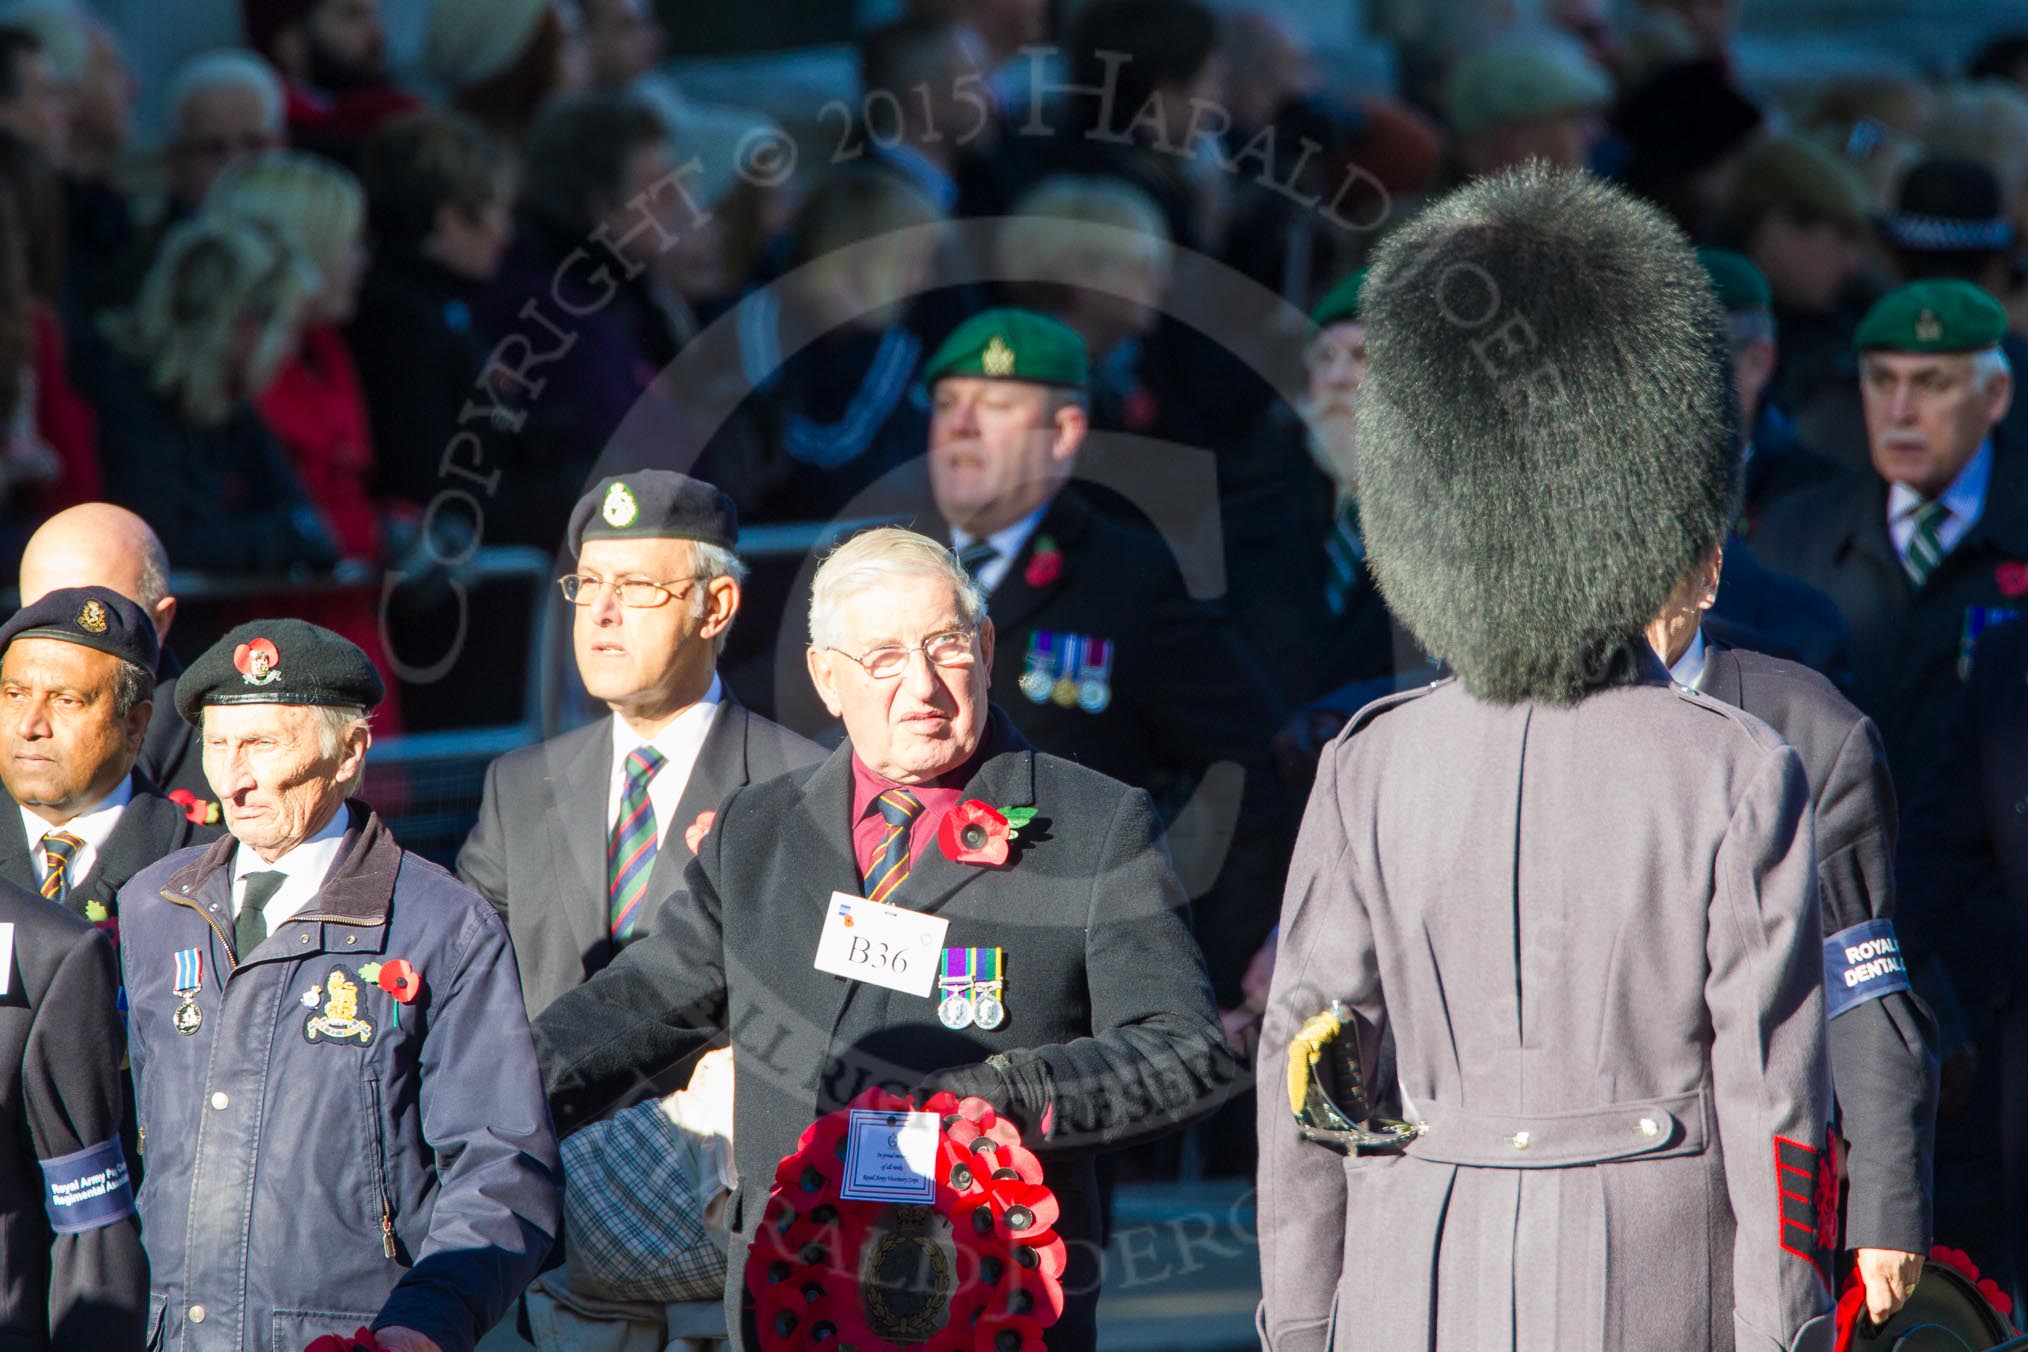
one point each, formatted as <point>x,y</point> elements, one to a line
<point>1590,934</point>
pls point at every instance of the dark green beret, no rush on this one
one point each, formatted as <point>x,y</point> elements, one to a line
<point>1739,284</point>
<point>279,662</point>
<point>1932,316</point>
<point>1340,304</point>
<point>1012,344</point>
<point>91,617</point>
<point>654,504</point>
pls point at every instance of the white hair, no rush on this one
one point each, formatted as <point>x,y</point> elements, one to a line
<point>335,724</point>
<point>1988,364</point>
<point>713,562</point>
<point>228,68</point>
<point>879,556</point>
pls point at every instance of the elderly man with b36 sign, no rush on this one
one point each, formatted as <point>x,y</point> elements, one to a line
<point>1085,1018</point>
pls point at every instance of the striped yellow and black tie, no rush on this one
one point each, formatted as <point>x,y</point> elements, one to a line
<point>898,807</point>
<point>59,852</point>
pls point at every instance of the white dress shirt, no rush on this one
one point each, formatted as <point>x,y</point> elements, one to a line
<point>679,744</point>
<point>1966,497</point>
<point>1688,670</point>
<point>1009,540</point>
<point>92,826</point>
<point>305,868</point>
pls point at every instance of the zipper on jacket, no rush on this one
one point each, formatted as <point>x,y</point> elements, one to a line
<point>380,1171</point>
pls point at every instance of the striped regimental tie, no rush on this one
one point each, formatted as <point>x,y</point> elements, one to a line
<point>59,852</point>
<point>1343,551</point>
<point>898,807</point>
<point>1925,546</point>
<point>630,850</point>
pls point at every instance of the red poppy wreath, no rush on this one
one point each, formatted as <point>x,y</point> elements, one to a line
<point>979,1269</point>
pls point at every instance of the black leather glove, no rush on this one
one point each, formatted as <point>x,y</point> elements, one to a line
<point>1019,1090</point>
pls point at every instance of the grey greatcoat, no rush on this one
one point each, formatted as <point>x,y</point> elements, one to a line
<point>1592,933</point>
<point>1882,1066</point>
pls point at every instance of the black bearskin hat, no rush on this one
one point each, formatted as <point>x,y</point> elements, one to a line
<point>1547,441</point>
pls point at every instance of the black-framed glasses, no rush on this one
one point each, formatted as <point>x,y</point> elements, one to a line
<point>952,648</point>
<point>581,589</point>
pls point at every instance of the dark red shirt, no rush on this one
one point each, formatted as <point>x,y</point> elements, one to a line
<point>869,827</point>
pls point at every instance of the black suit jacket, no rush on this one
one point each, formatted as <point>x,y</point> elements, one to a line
<point>61,1092</point>
<point>170,756</point>
<point>1781,466</point>
<point>1964,857</point>
<point>1278,511</point>
<point>1909,644</point>
<point>1792,619</point>
<point>1190,718</point>
<point>1110,1021</point>
<point>538,849</point>
<point>151,827</point>
<point>1881,1057</point>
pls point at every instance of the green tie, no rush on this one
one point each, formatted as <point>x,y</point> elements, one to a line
<point>1925,546</point>
<point>252,925</point>
<point>1344,549</point>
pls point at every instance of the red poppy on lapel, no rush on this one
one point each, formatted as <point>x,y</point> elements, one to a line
<point>694,834</point>
<point>1045,565</point>
<point>401,980</point>
<point>976,832</point>
<point>362,1341</point>
<point>2012,579</point>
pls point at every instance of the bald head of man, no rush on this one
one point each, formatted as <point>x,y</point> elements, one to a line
<point>96,544</point>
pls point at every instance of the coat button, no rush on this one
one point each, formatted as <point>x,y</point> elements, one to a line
<point>197,1314</point>
<point>1520,1140</point>
<point>2021,806</point>
<point>219,1101</point>
<point>1649,1127</point>
<point>350,940</point>
<point>303,938</point>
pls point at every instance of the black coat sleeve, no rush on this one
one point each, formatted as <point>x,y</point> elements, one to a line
<point>661,1000</point>
<point>1156,1058</point>
<point>1882,1057</point>
<point>74,1094</point>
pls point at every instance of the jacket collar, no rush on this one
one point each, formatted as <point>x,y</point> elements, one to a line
<point>359,890</point>
<point>1064,527</point>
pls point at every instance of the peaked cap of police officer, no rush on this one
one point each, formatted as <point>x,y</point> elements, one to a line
<point>1546,436</point>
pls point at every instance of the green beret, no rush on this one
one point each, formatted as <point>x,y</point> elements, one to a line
<point>279,662</point>
<point>1932,316</point>
<point>1340,304</point>
<point>653,504</point>
<point>1739,284</point>
<point>1012,345</point>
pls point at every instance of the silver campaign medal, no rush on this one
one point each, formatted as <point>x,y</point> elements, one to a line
<point>956,1011</point>
<point>188,1018</point>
